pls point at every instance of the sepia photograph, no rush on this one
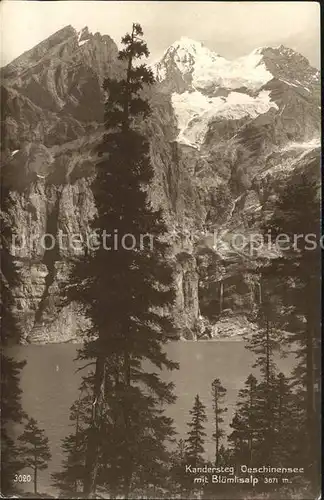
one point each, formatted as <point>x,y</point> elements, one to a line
<point>160,250</point>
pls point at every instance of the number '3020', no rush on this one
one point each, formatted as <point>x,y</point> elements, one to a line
<point>22,478</point>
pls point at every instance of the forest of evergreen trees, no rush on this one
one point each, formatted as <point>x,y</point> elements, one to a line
<point>123,444</point>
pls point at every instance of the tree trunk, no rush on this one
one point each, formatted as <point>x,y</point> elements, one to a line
<point>250,446</point>
<point>281,395</point>
<point>268,356</point>
<point>93,441</point>
<point>216,426</point>
<point>310,400</point>
<point>35,480</point>
<point>128,455</point>
<point>250,439</point>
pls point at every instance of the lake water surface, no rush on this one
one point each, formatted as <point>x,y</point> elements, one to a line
<point>50,385</point>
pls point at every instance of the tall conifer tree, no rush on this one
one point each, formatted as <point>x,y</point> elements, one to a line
<point>126,290</point>
<point>297,212</point>
<point>264,344</point>
<point>288,425</point>
<point>34,449</point>
<point>196,434</point>
<point>218,395</point>
<point>246,433</point>
<point>70,479</point>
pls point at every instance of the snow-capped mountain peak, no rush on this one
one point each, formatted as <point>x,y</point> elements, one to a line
<point>205,86</point>
<point>203,68</point>
<point>187,43</point>
<point>183,56</point>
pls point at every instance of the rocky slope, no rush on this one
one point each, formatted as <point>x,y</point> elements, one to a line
<point>225,135</point>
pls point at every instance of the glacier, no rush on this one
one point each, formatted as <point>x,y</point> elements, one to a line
<point>194,111</point>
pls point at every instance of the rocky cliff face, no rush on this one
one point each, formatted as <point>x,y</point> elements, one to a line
<point>52,92</point>
<point>224,137</point>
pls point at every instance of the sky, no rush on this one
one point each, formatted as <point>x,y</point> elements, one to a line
<point>231,29</point>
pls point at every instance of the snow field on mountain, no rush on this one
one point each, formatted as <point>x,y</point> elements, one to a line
<point>83,36</point>
<point>194,111</point>
<point>247,71</point>
<point>313,143</point>
<point>208,68</point>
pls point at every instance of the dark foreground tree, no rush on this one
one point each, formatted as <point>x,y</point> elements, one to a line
<point>12,413</point>
<point>288,425</point>
<point>245,437</point>
<point>218,396</point>
<point>126,285</point>
<point>264,344</point>
<point>297,213</point>
<point>70,479</point>
<point>196,434</point>
<point>178,461</point>
<point>34,449</point>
